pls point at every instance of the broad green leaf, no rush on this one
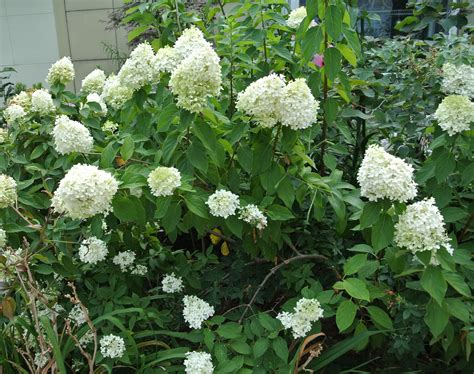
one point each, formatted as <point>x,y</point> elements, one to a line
<point>436,318</point>
<point>230,330</point>
<point>382,232</point>
<point>333,21</point>
<point>260,347</point>
<point>240,346</point>
<point>280,348</point>
<point>129,209</point>
<point>345,314</point>
<point>128,146</point>
<point>380,317</point>
<point>456,281</point>
<point>348,53</point>
<point>279,213</point>
<point>356,288</point>
<point>196,204</point>
<point>458,309</point>
<point>370,214</point>
<point>332,63</point>
<point>107,156</point>
<point>355,263</point>
<point>434,283</point>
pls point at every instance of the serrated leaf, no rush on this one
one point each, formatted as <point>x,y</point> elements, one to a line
<point>434,283</point>
<point>345,314</point>
<point>380,317</point>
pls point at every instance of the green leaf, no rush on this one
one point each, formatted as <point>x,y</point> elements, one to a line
<point>356,288</point>
<point>136,32</point>
<point>445,165</point>
<point>311,43</point>
<point>380,317</point>
<point>280,348</point>
<point>196,204</point>
<point>107,156</point>
<point>436,318</point>
<point>382,232</point>
<point>355,263</point>
<point>454,214</point>
<point>333,22</point>
<point>166,117</point>
<point>231,366</point>
<point>129,209</point>
<point>370,214</point>
<point>456,281</point>
<point>434,283</point>
<point>458,309</point>
<point>286,192</point>
<point>230,330</point>
<point>197,155</point>
<point>345,314</point>
<point>241,347</point>
<point>127,148</point>
<point>260,347</point>
<point>53,340</point>
<point>348,53</point>
<point>279,213</point>
<point>332,63</point>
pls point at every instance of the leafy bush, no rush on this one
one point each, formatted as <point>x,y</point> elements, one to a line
<point>241,205</point>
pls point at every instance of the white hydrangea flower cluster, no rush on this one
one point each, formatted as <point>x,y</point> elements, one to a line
<point>126,261</point>
<point>163,181</point>
<point>77,315</point>
<point>455,114</point>
<point>197,78</point>
<point>110,127</point>
<point>172,284</point>
<point>84,192</point>
<point>86,339</point>
<point>42,102</point>
<point>41,359</point>
<point>93,82</point>
<point>421,228</point>
<point>299,107</point>
<point>297,16</point>
<point>115,93</point>
<point>3,135</point>
<point>223,203</point>
<point>22,99</point>
<point>190,40</point>
<point>112,346</point>
<point>196,311</point>
<point>458,79</point>
<point>14,113</point>
<point>3,238</point>
<point>384,176</point>
<point>253,216</point>
<point>93,250</point>
<point>137,71</point>
<point>96,98</point>
<point>71,136</point>
<point>7,191</point>
<point>270,100</point>
<point>165,61</point>
<point>62,71</point>
<point>198,363</point>
<point>306,312</point>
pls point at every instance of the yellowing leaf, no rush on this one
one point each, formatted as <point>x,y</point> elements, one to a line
<point>214,238</point>
<point>225,249</point>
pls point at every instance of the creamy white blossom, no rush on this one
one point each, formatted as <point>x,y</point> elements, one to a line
<point>196,311</point>
<point>297,16</point>
<point>3,135</point>
<point>171,283</point>
<point>41,359</point>
<point>253,216</point>
<point>455,114</point>
<point>71,136</point>
<point>7,191</point>
<point>458,79</point>
<point>139,270</point>
<point>298,106</point>
<point>197,78</point>
<point>86,339</point>
<point>305,313</point>
<point>112,346</point>
<point>163,181</point>
<point>137,71</point>
<point>77,315</point>
<point>223,203</point>
<point>190,40</point>
<point>62,71</point>
<point>165,60</point>
<point>421,228</point>
<point>93,250</point>
<point>115,93</point>
<point>13,113</point>
<point>94,82</point>
<point>125,260</point>
<point>42,102</point>
<point>384,176</point>
<point>84,192</point>
<point>262,100</point>
<point>96,98</point>
<point>22,99</point>
<point>110,127</point>
<point>3,238</point>
<point>198,363</point>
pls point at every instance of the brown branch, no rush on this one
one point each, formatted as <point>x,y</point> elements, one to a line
<point>273,271</point>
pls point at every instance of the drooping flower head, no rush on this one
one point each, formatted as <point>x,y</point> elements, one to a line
<point>299,108</point>
<point>198,363</point>
<point>115,93</point>
<point>137,71</point>
<point>297,16</point>
<point>458,79</point>
<point>196,311</point>
<point>190,40</point>
<point>42,102</point>
<point>112,346</point>
<point>171,283</point>
<point>7,191</point>
<point>383,176</point>
<point>305,313</point>
<point>455,114</point>
<point>71,136</point>
<point>62,71</point>
<point>223,203</point>
<point>163,181</point>
<point>253,216</point>
<point>84,192</point>
<point>92,250</point>
<point>421,228</point>
<point>94,82</point>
